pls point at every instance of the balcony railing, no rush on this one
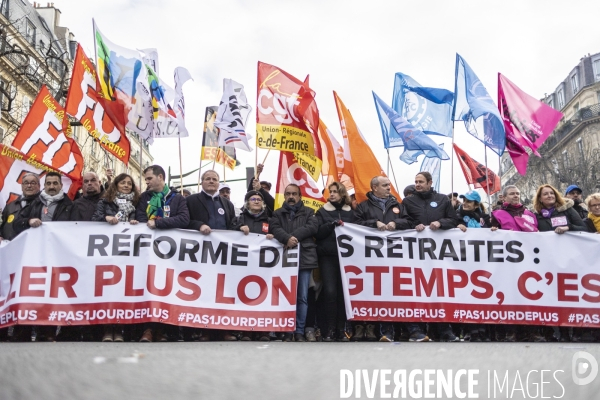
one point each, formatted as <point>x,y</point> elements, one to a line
<point>580,116</point>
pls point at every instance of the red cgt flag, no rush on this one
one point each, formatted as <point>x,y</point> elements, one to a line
<point>475,173</point>
<point>99,117</point>
<point>43,138</point>
<point>287,117</point>
<point>291,172</point>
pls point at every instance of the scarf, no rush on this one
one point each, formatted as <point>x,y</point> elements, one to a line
<point>156,204</point>
<point>26,200</point>
<point>292,209</point>
<point>472,219</point>
<point>127,207</point>
<point>546,213</point>
<point>338,204</point>
<point>48,199</point>
<point>258,214</point>
<point>596,220</point>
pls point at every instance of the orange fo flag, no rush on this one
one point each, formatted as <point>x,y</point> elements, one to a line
<point>291,172</point>
<point>87,106</point>
<point>44,138</point>
<point>360,164</point>
<point>475,173</point>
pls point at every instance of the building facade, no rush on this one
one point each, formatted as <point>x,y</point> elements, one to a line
<point>571,154</point>
<point>34,51</point>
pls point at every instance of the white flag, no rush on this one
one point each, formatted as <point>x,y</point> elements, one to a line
<point>170,120</point>
<point>232,116</point>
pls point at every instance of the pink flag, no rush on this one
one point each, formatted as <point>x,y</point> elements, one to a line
<point>527,121</point>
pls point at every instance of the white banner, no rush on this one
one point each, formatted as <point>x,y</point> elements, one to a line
<point>478,276</point>
<point>94,273</point>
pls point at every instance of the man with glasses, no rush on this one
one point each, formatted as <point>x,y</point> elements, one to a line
<point>52,204</point>
<point>294,225</point>
<point>30,186</point>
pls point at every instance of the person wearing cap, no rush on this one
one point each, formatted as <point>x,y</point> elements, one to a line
<point>382,211</point>
<point>409,190</point>
<point>225,191</point>
<point>263,187</point>
<point>428,208</point>
<point>554,213</point>
<point>334,213</point>
<point>454,200</point>
<point>253,219</point>
<point>472,215</point>
<point>575,193</point>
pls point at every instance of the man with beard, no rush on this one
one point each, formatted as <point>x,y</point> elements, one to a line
<point>430,209</point>
<point>292,225</point>
<point>30,186</point>
<point>85,206</point>
<point>51,205</point>
<point>575,193</point>
<point>381,210</point>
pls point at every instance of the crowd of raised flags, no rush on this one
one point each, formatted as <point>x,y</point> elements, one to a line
<point>121,90</point>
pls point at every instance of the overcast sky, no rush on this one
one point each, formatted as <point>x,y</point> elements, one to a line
<point>352,47</point>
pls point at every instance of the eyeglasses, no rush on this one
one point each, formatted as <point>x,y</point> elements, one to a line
<point>32,183</point>
<point>595,205</point>
<point>255,199</point>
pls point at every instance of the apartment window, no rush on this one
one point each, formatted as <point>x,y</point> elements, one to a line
<point>575,108</point>
<point>25,107</point>
<point>29,31</point>
<point>93,148</point>
<point>597,70</point>
<point>550,102</point>
<point>598,94</point>
<point>1,134</point>
<point>575,83</point>
<point>561,98</point>
<point>565,159</point>
<point>580,146</point>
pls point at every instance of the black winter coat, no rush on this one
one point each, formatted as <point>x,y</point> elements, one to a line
<point>581,210</point>
<point>590,225</point>
<point>61,213</point>
<point>425,208</point>
<point>107,208</point>
<point>10,214</point>
<point>179,217</point>
<point>198,208</point>
<point>574,221</point>
<point>326,239</point>
<point>475,214</point>
<point>369,212</point>
<point>85,207</point>
<point>259,224</point>
<point>303,227</point>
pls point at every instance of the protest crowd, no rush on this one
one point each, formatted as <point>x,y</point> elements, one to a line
<point>320,309</point>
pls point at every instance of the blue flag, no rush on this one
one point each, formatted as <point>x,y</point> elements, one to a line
<point>397,131</point>
<point>433,165</point>
<point>428,109</point>
<point>475,107</point>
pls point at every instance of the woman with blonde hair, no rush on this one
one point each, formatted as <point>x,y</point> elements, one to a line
<point>554,213</point>
<point>593,219</point>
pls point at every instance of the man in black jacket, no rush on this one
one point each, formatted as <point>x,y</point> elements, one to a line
<point>430,209</point>
<point>161,207</point>
<point>85,206</point>
<point>292,225</point>
<point>51,205</point>
<point>575,193</point>
<point>30,186</point>
<point>381,210</point>
<point>208,211</point>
